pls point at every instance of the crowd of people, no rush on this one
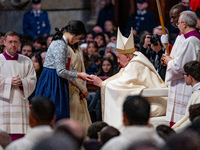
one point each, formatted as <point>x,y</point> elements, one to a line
<point>45,102</point>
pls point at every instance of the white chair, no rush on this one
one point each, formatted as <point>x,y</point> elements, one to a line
<point>158,99</point>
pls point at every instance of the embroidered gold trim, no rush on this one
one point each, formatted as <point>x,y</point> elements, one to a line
<point>121,51</point>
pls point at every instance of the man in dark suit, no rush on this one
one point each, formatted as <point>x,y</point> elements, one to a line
<point>154,51</point>
<point>36,22</point>
<point>142,19</point>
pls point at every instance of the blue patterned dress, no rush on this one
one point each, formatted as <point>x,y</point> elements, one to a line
<point>53,82</point>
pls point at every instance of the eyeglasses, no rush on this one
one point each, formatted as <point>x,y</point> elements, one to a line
<point>178,23</point>
<point>184,74</point>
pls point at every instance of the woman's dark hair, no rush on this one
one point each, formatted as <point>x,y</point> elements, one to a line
<point>115,58</point>
<point>41,40</point>
<point>74,26</point>
<point>39,59</point>
<point>92,33</point>
<point>95,45</point>
<point>103,37</point>
<point>27,43</point>
<point>111,71</point>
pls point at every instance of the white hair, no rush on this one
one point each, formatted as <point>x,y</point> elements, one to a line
<point>189,17</point>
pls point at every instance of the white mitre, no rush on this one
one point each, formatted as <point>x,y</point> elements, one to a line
<point>125,45</point>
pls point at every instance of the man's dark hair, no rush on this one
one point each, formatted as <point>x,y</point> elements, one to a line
<point>179,7</point>
<point>186,140</point>
<point>194,111</point>
<point>94,128</point>
<point>41,40</point>
<point>137,110</point>
<point>42,109</point>
<point>143,145</point>
<point>165,131</point>
<point>192,68</point>
<point>107,133</point>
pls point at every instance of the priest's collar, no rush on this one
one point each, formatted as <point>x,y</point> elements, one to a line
<point>194,88</point>
<point>9,57</point>
<point>192,33</point>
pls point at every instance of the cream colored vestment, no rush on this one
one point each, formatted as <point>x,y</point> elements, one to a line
<point>131,80</point>
<point>78,108</point>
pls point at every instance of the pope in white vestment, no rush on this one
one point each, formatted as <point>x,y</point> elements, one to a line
<point>14,105</point>
<point>131,80</point>
<point>137,75</point>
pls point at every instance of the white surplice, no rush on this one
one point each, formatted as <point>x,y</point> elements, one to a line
<point>185,121</point>
<point>179,92</point>
<point>14,105</point>
<point>131,80</point>
<point>33,136</point>
<point>179,39</point>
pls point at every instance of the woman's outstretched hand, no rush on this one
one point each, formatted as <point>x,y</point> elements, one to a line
<point>84,76</point>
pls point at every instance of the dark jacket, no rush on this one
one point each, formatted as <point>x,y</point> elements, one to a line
<point>36,26</point>
<point>151,55</point>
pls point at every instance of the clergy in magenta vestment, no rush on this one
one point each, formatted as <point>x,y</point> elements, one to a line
<point>179,92</point>
<point>131,80</point>
<point>14,105</point>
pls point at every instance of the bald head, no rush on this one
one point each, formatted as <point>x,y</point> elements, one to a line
<point>72,127</point>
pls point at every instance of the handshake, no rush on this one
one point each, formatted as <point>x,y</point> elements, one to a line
<point>90,78</point>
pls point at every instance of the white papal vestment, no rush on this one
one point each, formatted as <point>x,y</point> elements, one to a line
<point>131,80</point>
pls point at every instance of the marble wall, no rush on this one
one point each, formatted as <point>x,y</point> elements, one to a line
<point>60,13</point>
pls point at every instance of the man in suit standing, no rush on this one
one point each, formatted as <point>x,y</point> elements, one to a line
<point>36,22</point>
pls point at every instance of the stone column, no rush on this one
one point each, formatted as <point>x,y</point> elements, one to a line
<point>95,6</point>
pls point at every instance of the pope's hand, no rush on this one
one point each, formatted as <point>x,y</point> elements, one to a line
<point>96,80</point>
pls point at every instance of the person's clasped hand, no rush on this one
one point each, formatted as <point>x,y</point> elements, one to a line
<point>95,80</point>
<point>84,76</point>
<point>16,81</point>
<point>165,59</point>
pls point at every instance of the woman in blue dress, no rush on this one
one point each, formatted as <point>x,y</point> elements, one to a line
<point>53,82</point>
